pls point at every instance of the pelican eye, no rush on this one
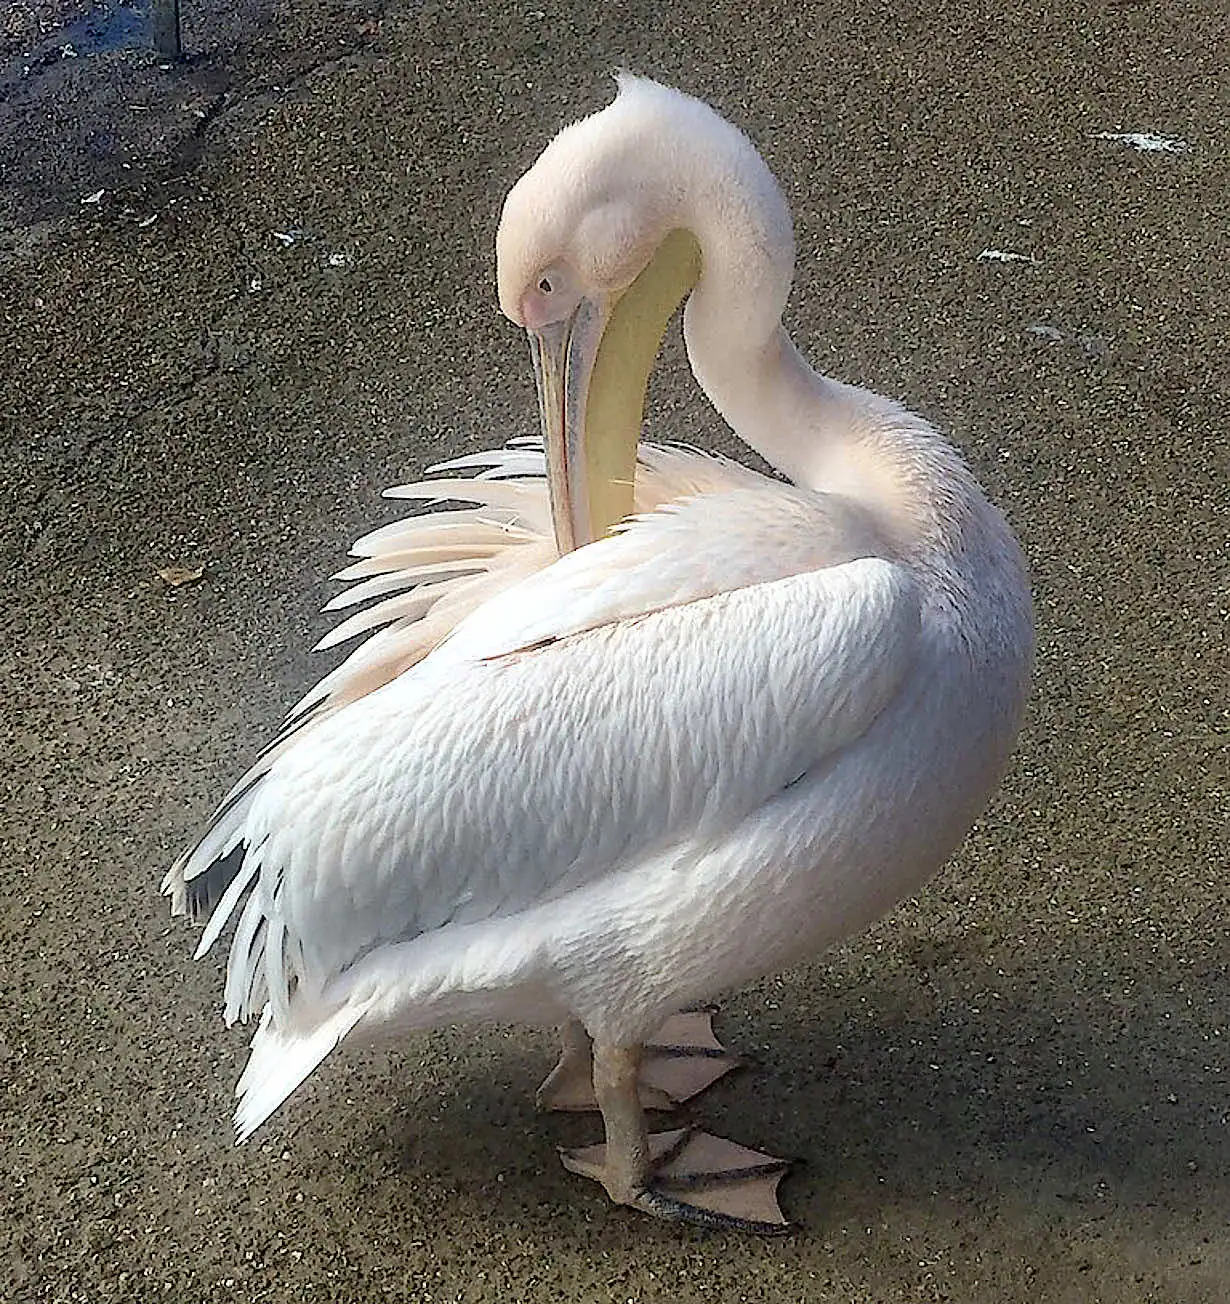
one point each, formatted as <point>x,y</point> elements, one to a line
<point>545,285</point>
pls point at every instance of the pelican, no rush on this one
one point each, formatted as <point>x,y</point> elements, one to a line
<point>630,728</point>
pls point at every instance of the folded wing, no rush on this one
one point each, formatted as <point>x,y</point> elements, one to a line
<point>524,759</point>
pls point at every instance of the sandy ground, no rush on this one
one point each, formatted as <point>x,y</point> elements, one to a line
<point>1015,1089</point>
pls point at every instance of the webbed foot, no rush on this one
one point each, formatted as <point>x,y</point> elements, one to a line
<point>682,1059</point>
<point>694,1177</point>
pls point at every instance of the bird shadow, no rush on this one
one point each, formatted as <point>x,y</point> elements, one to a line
<point>957,1071</point>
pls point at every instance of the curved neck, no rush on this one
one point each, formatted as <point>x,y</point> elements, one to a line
<point>822,434</point>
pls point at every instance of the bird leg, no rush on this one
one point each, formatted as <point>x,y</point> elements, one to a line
<point>683,1175</point>
<point>682,1059</point>
<point>569,1087</point>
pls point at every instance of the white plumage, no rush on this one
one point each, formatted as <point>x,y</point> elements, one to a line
<point>602,785</point>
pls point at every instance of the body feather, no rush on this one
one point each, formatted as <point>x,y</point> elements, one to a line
<point>431,808</point>
<point>602,785</point>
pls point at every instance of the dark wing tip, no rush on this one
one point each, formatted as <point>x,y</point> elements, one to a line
<point>205,890</point>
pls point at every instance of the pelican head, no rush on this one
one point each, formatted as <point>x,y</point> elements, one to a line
<point>592,263</point>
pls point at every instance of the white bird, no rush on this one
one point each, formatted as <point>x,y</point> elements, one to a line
<point>591,789</point>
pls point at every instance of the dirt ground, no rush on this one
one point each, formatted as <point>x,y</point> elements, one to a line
<point>1015,1089</point>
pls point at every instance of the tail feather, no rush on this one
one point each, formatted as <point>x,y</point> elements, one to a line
<point>280,1060</point>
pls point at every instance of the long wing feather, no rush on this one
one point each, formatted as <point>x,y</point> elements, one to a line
<point>523,758</point>
<point>505,532</point>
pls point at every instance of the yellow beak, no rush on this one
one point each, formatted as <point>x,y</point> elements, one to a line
<point>592,371</point>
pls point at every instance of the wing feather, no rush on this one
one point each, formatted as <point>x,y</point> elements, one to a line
<point>507,534</point>
<point>427,566</point>
<point>403,610</point>
<point>485,601</point>
<point>500,774</point>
